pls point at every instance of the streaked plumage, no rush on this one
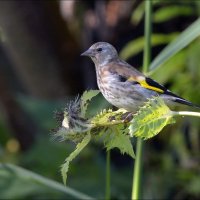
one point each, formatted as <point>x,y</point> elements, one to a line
<point>121,84</point>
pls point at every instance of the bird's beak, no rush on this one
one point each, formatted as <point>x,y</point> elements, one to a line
<point>89,53</point>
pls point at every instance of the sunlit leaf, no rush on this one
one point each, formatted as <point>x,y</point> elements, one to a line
<point>151,119</point>
<point>108,117</point>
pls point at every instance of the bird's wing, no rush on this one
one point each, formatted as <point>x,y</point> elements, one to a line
<point>126,72</point>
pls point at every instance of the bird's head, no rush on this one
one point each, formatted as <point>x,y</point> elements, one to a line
<point>101,53</point>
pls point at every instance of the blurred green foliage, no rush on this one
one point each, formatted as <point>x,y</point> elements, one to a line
<point>170,12</point>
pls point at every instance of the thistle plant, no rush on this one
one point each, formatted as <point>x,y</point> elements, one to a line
<point>114,128</point>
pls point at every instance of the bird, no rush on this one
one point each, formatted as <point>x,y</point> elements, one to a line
<point>124,86</point>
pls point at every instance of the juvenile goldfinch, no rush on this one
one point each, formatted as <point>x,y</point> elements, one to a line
<point>121,84</point>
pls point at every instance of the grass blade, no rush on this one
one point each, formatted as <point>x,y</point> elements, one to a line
<point>20,172</point>
<point>185,38</point>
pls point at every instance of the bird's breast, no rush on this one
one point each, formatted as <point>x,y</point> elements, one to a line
<point>103,81</point>
<point>121,94</point>
<point>113,91</point>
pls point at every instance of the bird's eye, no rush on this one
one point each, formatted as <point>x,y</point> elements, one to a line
<point>99,49</point>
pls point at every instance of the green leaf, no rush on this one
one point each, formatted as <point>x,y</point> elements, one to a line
<point>108,117</point>
<point>80,146</point>
<point>114,130</point>
<point>185,38</point>
<point>119,140</point>
<point>102,118</point>
<point>151,119</point>
<point>86,98</point>
<point>137,14</point>
<point>170,12</point>
<point>137,45</point>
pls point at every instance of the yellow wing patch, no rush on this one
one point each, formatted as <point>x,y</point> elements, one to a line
<point>141,80</point>
<point>146,85</point>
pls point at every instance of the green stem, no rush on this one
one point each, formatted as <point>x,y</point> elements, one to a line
<point>148,30</point>
<point>107,196</point>
<point>186,113</point>
<point>117,122</point>
<point>146,61</point>
<point>137,170</point>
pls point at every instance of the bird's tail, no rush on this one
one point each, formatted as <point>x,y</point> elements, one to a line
<point>185,102</point>
<point>175,98</point>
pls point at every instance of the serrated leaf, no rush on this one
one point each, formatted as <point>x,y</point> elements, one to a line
<point>121,141</point>
<point>80,146</point>
<point>86,98</point>
<point>108,117</point>
<point>102,117</point>
<point>151,119</point>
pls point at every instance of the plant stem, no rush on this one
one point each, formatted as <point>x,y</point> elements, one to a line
<point>137,170</point>
<point>107,196</point>
<point>148,30</point>
<point>146,61</point>
<point>186,113</point>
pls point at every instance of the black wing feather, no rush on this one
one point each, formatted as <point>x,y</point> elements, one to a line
<point>153,83</point>
<point>177,98</point>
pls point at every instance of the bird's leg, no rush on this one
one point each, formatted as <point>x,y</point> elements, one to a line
<point>127,117</point>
